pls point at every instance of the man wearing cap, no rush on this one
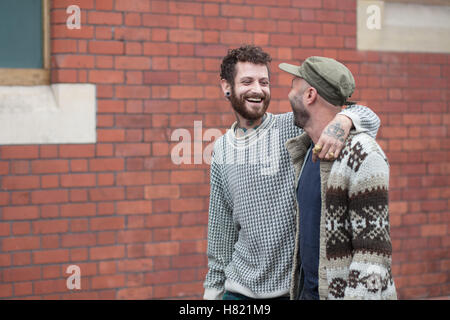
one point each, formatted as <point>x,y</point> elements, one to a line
<point>251,226</point>
<point>342,244</point>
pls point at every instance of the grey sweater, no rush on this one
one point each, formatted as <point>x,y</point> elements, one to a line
<point>251,228</point>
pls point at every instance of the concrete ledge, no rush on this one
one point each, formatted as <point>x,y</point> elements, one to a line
<point>402,27</point>
<point>55,114</point>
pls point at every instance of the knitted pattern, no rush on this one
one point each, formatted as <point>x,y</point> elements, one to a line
<point>251,226</point>
<point>355,246</point>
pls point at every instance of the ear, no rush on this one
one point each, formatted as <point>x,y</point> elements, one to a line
<point>226,87</point>
<point>310,95</point>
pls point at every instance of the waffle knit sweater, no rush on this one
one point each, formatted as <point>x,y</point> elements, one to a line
<point>355,246</point>
<point>251,226</point>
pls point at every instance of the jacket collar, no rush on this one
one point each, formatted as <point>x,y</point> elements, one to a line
<point>297,148</point>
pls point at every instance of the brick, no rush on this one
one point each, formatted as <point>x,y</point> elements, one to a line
<point>19,152</point>
<point>74,61</point>
<point>50,241</point>
<point>186,92</point>
<point>185,289</point>
<point>133,149</point>
<point>50,286</point>
<point>433,230</point>
<point>132,34</point>
<point>50,226</point>
<point>78,210</point>
<point>236,11</point>
<point>78,180</point>
<point>330,16</point>
<point>160,77</point>
<point>134,207</point>
<point>135,92</point>
<point>49,166</point>
<point>133,121</point>
<point>50,256</point>
<point>20,182</point>
<point>133,19</point>
<point>105,253</point>
<point>23,288</point>
<point>49,196</point>
<point>5,290</point>
<point>329,42</point>
<point>4,229</point>
<point>159,277</point>
<point>191,36</point>
<point>129,63</point>
<point>83,4</point>
<point>110,135</point>
<point>64,46</point>
<point>211,23</point>
<point>185,8</point>
<point>109,281</point>
<point>134,236</point>
<point>20,243</point>
<point>189,261</point>
<point>162,220</point>
<point>186,205</point>
<point>133,178</point>
<point>132,5</point>
<point>135,265</point>
<point>49,182</point>
<point>160,49</point>
<point>21,274</point>
<point>162,192</point>
<point>78,240</point>
<point>110,106</point>
<point>188,233</point>
<point>106,76</point>
<point>77,151</point>
<point>135,293</point>
<point>105,18</point>
<point>162,249</point>
<point>5,259</point>
<point>235,38</point>
<point>187,176</point>
<point>113,223</point>
<point>106,164</point>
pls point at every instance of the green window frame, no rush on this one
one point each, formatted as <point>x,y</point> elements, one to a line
<point>19,76</point>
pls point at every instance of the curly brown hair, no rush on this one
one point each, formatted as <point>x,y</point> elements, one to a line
<point>245,53</point>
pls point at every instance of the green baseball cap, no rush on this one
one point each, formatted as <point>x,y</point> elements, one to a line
<point>332,80</point>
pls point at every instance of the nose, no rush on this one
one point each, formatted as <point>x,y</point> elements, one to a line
<point>256,88</point>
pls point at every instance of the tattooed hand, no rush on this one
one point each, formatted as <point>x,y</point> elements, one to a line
<point>333,138</point>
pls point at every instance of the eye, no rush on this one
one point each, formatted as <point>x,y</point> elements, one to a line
<point>264,83</point>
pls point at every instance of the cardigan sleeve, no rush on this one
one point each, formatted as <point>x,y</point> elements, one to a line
<point>222,233</point>
<point>370,275</point>
<point>363,118</point>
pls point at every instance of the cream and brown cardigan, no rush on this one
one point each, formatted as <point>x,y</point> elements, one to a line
<point>355,246</point>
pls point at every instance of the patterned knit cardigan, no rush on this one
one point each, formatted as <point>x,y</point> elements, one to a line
<point>355,246</point>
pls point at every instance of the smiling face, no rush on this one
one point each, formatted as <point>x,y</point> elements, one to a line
<point>250,95</point>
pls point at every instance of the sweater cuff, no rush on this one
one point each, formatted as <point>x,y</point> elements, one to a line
<point>213,294</point>
<point>355,119</point>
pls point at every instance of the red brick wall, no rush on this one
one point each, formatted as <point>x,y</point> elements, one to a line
<point>134,222</point>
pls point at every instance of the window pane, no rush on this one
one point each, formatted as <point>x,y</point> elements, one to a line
<point>21,34</point>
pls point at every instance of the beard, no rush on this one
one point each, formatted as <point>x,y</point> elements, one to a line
<point>239,105</point>
<point>301,115</point>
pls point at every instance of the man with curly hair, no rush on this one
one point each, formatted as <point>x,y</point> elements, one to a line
<point>251,226</point>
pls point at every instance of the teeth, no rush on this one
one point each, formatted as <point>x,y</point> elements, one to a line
<point>254,100</point>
